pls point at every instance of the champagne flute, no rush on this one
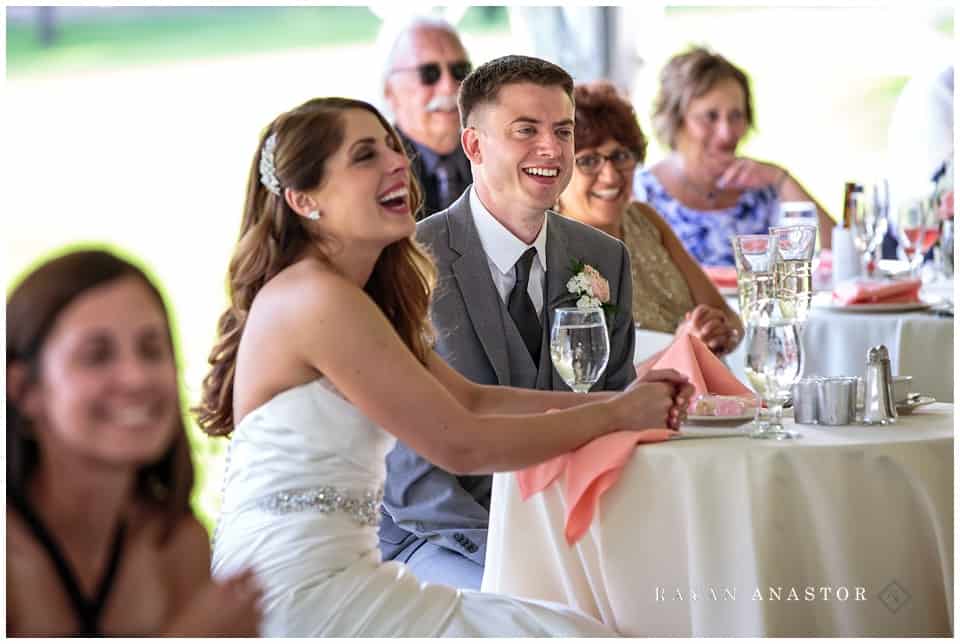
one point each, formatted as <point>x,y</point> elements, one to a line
<point>755,281</point>
<point>793,269</point>
<point>917,229</point>
<point>579,346</point>
<point>870,222</point>
<point>773,365</point>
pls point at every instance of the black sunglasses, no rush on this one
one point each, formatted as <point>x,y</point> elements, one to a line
<point>430,72</point>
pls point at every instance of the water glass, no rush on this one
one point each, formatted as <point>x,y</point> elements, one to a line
<point>793,269</point>
<point>773,364</point>
<point>755,280</point>
<point>579,346</point>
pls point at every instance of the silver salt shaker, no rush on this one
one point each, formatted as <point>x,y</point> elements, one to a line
<point>879,407</point>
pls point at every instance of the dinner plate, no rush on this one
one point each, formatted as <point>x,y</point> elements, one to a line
<point>878,307</point>
<point>696,418</point>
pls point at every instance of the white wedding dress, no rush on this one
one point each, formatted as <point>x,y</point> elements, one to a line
<point>301,502</point>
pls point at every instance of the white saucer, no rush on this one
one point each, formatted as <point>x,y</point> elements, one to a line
<point>913,402</point>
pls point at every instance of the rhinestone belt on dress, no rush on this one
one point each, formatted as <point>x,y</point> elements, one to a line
<point>362,506</point>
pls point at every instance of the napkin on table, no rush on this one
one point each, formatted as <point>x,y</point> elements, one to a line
<point>591,471</point>
<point>707,373</point>
<point>722,276</point>
<point>877,292</point>
<point>595,467</point>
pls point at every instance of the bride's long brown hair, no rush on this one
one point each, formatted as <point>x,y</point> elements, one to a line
<point>273,236</point>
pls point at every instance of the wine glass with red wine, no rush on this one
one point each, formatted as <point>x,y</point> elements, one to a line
<point>917,229</point>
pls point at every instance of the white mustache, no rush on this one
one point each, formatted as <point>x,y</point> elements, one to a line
<point>442,104</point>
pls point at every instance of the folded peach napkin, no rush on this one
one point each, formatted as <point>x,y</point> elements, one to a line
<point>595,467</point>
<point>722,276</point>
<point>591,471</point>
<point>707,373</point>
<point>877,292</point>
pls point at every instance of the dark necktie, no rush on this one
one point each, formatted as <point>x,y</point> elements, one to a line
<point>521,306</point>
<point>446,175</point>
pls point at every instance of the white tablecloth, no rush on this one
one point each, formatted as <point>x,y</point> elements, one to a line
<point>835,343</point>
<point>699,536</point>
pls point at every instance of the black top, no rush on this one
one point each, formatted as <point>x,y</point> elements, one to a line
<point>88,612</point>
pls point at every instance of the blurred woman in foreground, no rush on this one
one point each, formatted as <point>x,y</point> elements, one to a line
<point>100,536</point>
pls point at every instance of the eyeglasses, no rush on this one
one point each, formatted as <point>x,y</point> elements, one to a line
<point>430,72</point>
<point>593,163</point>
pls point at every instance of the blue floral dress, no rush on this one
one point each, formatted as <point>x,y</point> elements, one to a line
<point>708,234</point>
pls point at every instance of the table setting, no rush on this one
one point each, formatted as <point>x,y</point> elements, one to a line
<point>857,301</point>
<point>827,508</point>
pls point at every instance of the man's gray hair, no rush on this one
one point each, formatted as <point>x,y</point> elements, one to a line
<point>395,33</point>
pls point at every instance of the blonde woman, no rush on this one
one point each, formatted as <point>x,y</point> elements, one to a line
<point>704,188</point>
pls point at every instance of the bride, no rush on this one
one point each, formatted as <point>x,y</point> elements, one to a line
<point>324,359</point>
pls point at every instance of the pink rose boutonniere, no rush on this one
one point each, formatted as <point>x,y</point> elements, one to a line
<point>588,288</point>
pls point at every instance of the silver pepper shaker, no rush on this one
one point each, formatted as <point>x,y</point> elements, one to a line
<point>878,403</point>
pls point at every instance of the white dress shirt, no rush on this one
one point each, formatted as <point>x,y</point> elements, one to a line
<point>503,249</point>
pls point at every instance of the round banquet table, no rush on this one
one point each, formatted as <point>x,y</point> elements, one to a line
<point>846,531</point>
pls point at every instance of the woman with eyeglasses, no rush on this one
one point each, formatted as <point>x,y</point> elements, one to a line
<point>670,291</point>
<point>703,188</point>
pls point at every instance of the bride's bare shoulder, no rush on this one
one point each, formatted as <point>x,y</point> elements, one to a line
<point>305,289</point>
<point>302,282</point>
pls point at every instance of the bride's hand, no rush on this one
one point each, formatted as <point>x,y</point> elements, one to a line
<point>658,399</point>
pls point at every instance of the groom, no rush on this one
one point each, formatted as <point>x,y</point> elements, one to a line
<point>503,265</point>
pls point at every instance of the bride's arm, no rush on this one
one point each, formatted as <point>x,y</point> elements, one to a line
<point>340,332</point>
<point>494,399</point>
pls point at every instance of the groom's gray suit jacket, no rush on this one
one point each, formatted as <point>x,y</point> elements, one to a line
<point>478,338</point>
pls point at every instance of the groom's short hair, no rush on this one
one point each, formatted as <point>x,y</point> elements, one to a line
<point>483,84</point>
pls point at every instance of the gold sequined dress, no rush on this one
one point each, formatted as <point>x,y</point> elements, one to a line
<point>661,296</point>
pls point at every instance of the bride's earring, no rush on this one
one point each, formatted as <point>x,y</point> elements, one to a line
<point>313,215</point>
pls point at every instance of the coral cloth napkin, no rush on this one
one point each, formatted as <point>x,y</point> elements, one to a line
<point>877,292</point>
<point>595,467</point>
<point>707,373</point>
<point>591,471</point>
<point>722,276</point>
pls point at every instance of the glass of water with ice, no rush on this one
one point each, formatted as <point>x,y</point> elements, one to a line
<point>579,346</point>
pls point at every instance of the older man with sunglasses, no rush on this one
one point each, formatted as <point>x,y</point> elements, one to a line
<point>423,72</point>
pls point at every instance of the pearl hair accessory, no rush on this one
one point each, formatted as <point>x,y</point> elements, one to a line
<point>268,172</point>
